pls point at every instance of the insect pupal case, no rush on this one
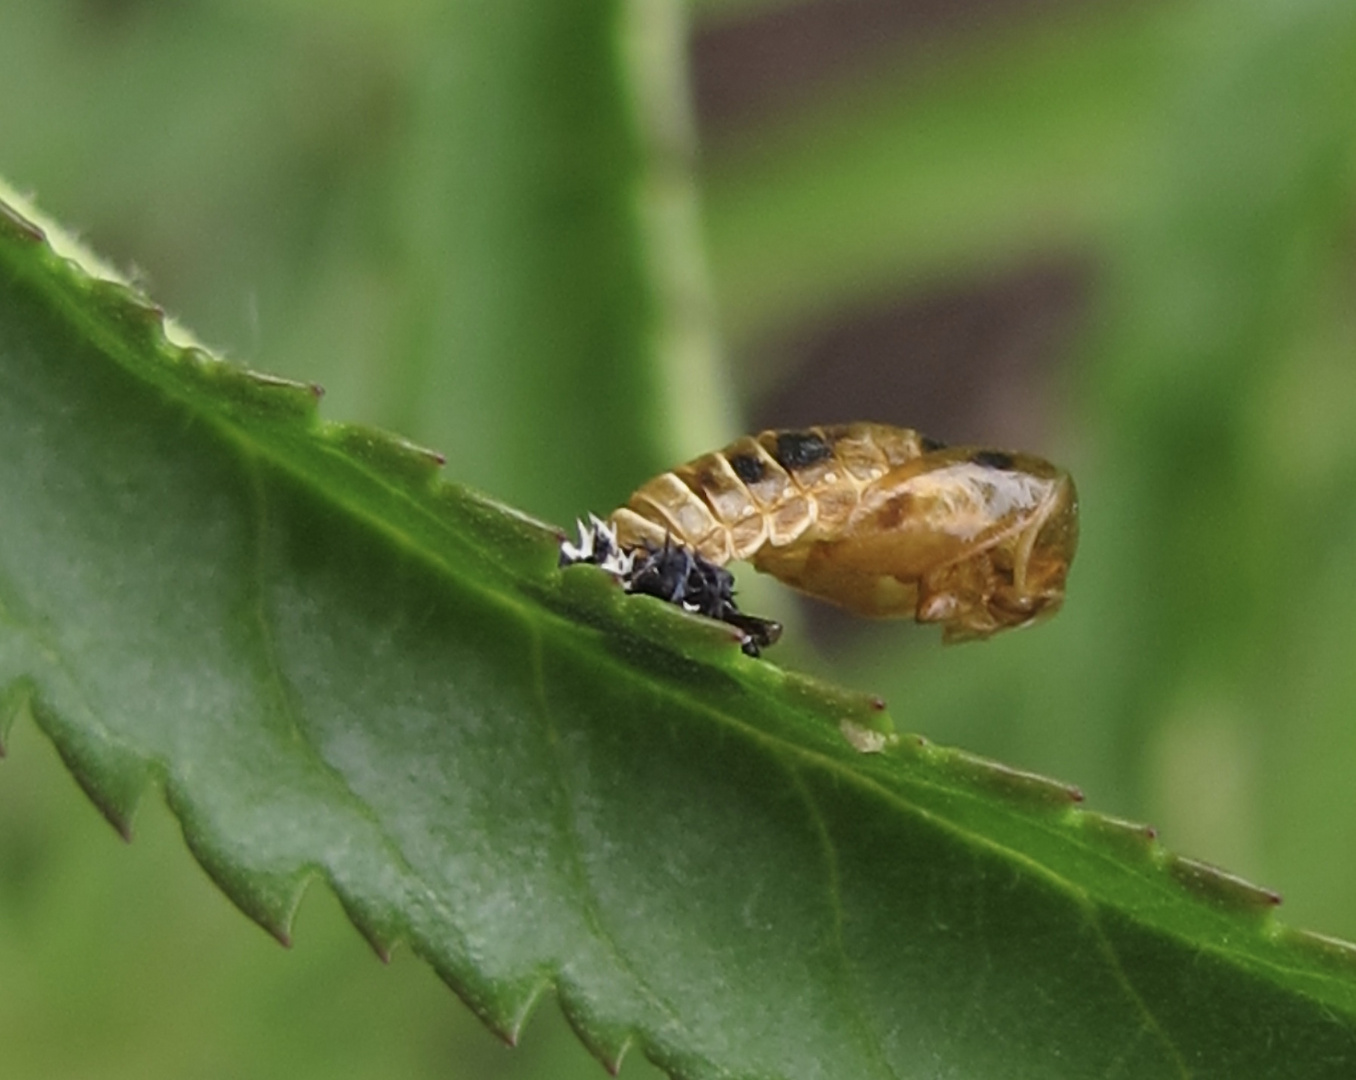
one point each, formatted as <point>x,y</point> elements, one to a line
<point>977,541</point>
<point>877,519</point>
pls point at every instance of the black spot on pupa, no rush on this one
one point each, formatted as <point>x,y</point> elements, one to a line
<point>993,459</point>
<point>797,449</point>
<point>748,468</point>
<point>929,444</point>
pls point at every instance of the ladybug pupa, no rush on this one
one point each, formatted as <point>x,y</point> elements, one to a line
<point>877,519</point>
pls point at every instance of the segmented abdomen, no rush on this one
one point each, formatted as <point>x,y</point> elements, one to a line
<point>775,488</point>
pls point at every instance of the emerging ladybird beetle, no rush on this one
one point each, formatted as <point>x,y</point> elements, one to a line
<point>877,519</point>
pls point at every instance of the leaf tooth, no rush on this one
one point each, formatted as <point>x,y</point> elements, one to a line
<point>368,921</point>
<point>526,1006</point>
<point>1031,790</point>
<point>135,316</point>
<point>137,322</point>
<point>15,224</point>
<point>261,396</point>
<point>308,394</point>
<point>590,593</point>
<point>607,1040</point>
<point>269,898</point>
<point>613,1064</point>
<point>502,1002</point>
<point>684,639</point>
<point>387,454</point>
<point>1129,840</point>
<point>1221,888</point>
<point>1330,951</point>
<point>14,702</point>
<point>515,539</point>
<point>863,711</point>
<point>113,776</point>
<point>504,1005</point>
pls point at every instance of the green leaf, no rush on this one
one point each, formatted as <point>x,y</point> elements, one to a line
<point>547,247</point>
<point>337,666</point>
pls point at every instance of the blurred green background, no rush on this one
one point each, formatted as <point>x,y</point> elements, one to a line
<point>1116,233</point>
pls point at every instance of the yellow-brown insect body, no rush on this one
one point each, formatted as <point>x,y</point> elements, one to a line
<point>877,519</point>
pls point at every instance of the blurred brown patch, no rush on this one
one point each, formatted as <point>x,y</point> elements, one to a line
<point>971,363</point>
<point>769,60</point>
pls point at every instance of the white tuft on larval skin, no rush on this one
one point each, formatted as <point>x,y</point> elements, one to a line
<point>598,546</point>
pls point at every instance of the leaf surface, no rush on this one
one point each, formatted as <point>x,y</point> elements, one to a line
<point>338,666</point>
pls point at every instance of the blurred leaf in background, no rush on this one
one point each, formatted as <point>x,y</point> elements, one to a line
<point>1117,234</point>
